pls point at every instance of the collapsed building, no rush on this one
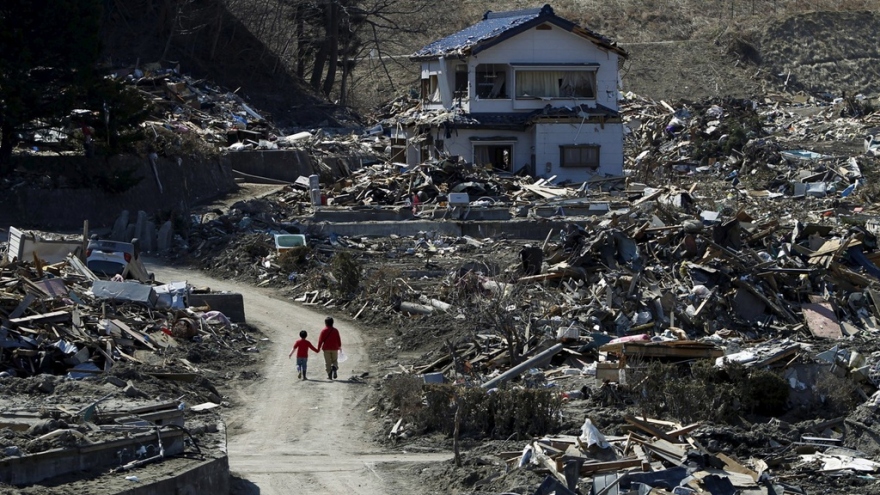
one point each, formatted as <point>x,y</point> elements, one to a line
<point>759,255</point>
<point>730,231</point>
<point>94,373</point>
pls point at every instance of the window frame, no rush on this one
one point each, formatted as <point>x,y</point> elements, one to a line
<point>461,76</point>
<point>484,85</point>
<point>431,88</point>
<point>590,70</point>
<point>592,166</point>
<point>499,143</point>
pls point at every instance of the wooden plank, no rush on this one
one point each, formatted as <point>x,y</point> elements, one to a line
<point>130,358</point>
<point>664,349</point>
<point>550,464</point>
<point>23,305</point>
<point>733,466</point>
<point>53,317</point>
<point>650,429</point>
<point>136,335</point>
<point>671,448</point>
<point>602,467</point>
<point>684,430</point>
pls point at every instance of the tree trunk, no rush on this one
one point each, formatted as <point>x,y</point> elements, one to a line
<point>332,48</point>
<point>343,82</point>
<point>301,41</point>
<point>318,68</point>
<point>324,51</point>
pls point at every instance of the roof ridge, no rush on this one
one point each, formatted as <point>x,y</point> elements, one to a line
<point>546,9</point>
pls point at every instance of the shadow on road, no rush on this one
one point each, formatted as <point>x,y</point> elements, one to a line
<point>241,486</point>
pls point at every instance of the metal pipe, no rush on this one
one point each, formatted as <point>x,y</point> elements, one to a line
<point>516,370</point>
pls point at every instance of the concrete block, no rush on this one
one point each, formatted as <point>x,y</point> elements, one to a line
<point>230,304</point>
<point>129,233</point>
<point>33,468</point>
<point>131,391</point>
<point>148,241</point>
<point>165,238</point>
<point>119,228</point>
<point>115,380</point>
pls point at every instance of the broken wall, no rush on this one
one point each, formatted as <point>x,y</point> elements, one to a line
<point>182,185</point>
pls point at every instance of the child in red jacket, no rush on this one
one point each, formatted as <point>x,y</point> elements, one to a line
<point>302,347</point>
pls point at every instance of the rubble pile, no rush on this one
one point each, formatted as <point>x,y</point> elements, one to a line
<point>756,146</point>
<point>189,115</point>
<point>109,364</point>
<point>729,242</point>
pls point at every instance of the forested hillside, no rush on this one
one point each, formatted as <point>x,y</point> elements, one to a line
<point>281,53</point>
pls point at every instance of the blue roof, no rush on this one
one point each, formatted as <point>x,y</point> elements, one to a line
<point>497,26</point>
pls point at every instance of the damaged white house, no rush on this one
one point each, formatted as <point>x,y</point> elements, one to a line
<point>521,91</point>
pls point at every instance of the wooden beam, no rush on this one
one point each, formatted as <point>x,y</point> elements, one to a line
<point>650,429</point>
<point>136,335</point>
<point>602,467</point>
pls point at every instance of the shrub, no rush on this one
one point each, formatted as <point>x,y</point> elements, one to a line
<point>499,414</point>
<point>347,272</point>
<point>840,395</point>
<point>293,258</point>
<point>766,393</point>
<point>405,394</point>
<point>704,392</point>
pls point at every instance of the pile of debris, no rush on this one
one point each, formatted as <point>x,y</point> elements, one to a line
<point>723,244</point>
<point>109,369</point>
<point>755,146</point>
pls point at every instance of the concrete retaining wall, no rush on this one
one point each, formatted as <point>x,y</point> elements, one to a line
<point>207,477</point>
<point>524,229</point>
<point>33,468</point>
<point>288,165</point>
<point>182,184</point>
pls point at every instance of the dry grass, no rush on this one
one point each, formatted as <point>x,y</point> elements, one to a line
<point>702,392</point>
<point>626,21</point>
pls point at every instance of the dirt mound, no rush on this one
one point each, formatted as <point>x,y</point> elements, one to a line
<point>825,51</point>
<point>817,52</point>
<point>691,70</point>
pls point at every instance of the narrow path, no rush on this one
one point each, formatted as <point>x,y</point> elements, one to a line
<point>291,435</point>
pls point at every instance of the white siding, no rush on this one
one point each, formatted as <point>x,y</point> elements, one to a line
<point>549,137</point>
<point>554,46</point>
<point>445,80</point>
<point>461,145</point>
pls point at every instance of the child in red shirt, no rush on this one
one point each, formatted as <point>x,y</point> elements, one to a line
<point>302,347</point>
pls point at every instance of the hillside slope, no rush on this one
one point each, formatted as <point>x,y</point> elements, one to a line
<point>675,54</point>
<point>209,42</point>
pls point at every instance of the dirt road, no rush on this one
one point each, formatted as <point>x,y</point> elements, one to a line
<point>312,435</point>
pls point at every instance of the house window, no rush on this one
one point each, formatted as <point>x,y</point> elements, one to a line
<point>431,89</point>
<point>555,84</point>
<point>494,155</point>
<point>431,149</point>
<point>579,156</point>
<point>398,150</point>
<point>461,81</point>
<point>491,81</point>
